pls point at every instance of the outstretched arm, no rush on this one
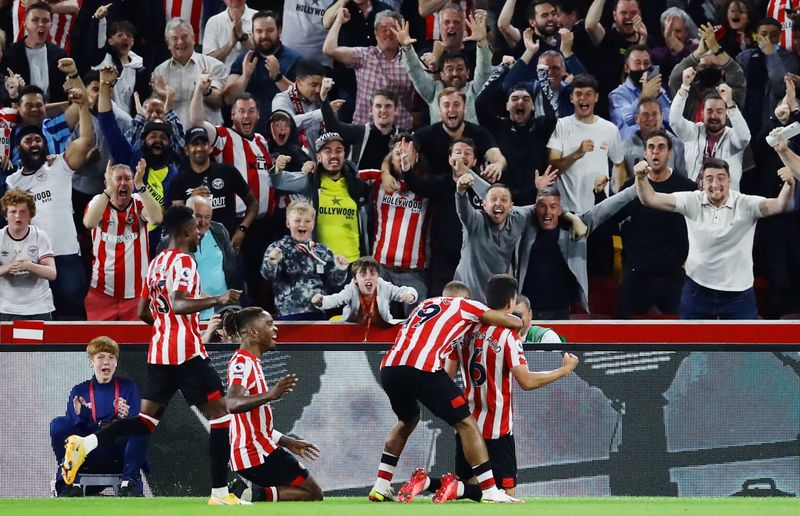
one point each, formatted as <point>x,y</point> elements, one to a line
<point>331,48</point>
<point>648,196</point>
<point>783,201</point>
<point>530,380</point>
<point>238,400</point>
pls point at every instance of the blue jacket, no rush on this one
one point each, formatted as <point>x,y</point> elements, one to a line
<point>103,401</point>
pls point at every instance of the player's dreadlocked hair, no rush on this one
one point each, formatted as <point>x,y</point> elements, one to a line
<point>236,322</point>
<point>176,218</point>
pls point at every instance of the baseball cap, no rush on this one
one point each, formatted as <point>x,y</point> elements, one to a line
<point>326,138</point>
<point>195,133</point>
<point>156,125</point>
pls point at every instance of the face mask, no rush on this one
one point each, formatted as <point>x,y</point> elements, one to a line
<point>709,77</point>
<point>636,77</point>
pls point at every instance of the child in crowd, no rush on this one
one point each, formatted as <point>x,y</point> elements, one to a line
<point>300,267</point>
<point>367,297</point>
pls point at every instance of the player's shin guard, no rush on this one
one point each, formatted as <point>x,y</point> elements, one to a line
<point>137,425</point>
<point>483,472</point>
<point>220,450</point>
<point>385,472</point>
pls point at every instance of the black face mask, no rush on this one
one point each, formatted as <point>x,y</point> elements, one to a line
<point>636,77</point>
<point>709,77</point>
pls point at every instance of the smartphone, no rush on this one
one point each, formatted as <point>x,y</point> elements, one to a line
<point>654,71</point>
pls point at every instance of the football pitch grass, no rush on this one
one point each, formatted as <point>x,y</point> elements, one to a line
<point>615,506</point>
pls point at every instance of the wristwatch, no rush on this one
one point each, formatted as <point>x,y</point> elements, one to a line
<point>278,78</point>
<point>243,228</point>
<point>244,37</point>
<point>141,189</point>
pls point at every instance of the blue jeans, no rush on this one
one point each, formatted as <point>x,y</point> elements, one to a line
<point>69,288</point>
<point>698,302</point>
<point>125,457</point>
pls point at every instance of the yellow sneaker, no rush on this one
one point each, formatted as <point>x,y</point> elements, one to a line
<point>74,455</point>
<point>229,499</point>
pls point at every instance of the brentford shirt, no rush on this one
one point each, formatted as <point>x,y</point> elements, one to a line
<point>189,10</point>
<point>119,245</point>
<point>402,223</point>
<point>176,338</point>
<point>487,356</point>
<point>250,432</point>
<point>25,293</point>
<point>60,28</point>
<point>51,188</point>
<point>777,9</point>
<point>251,158</point>
<point>429,334</point>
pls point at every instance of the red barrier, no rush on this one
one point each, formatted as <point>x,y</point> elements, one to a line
<point>611,332</point>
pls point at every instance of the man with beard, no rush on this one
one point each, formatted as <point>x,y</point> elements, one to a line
<point>154,147</point>
<point>639,84</point>
<point>118,218</point>
<point>542,18</point>
<point>379,66</point>
<point>338,195</point>
<point>603,51</point>
<point>711,138</point>
<point>654,243</point>
<point>367,142</point>
<point>301,99</point>
<point>434,140</point>
<point>522,135</point>
<point>51,187</point>
<point>581,147</point>
<point>219,181</point>
<point>267,69</point>
<point>650,119</point>
<point>721,224</point>
<point>453,71</point>
<point>714,67</point>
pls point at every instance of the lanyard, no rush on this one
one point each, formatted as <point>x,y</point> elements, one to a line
<point>91,399</point>
<point>309,250</point>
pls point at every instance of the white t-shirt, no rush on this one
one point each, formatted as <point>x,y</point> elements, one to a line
<point>37,62</point>
<point>218,31</point>
<point>576,184</point>
<point>302,28</point>
<point>720,239</point>
<point>25,293</point>
<point>51,187</point>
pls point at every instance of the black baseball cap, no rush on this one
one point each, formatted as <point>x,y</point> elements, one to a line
<point>156,125</point>
<point>195,133</point>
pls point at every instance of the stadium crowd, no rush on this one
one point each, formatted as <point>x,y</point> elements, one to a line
<point>620,158</point>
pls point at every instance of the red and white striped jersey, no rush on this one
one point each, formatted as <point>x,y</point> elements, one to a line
<point>189,10</point>
<point>487,356</point>
<point>777,9</point>
<point>8,118</point>
<point>402,223</point>
<point>251,158</point>
<point>430,333</point>
<point>250,432</point>
<point>432,32</point>
<point>176,338</point>
<point>119,244</point>
<point>59,30</point>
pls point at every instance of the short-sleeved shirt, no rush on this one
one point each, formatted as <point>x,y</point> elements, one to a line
<point>183,78</point>
<point>25,293</point>
<point>302,28</point>
<point>487,356</point>
<point>251,158</point>
<point>176,337</point>
<point>250,432</point>
<point>576,184</point>
<point>720,239</point>
<point>434,143</point>
<point>217,34</point>
<point>431,332</point>
<point>225,184</point>
<point>51,188</point>
<point>337,218</point>
<point>375,70</point>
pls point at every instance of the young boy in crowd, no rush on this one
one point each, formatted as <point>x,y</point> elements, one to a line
<point>300,267</point>
<point>367,297</point>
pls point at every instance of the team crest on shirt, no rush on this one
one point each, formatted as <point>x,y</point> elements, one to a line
<point>33,250</point>
<point>41,175</point>
<point>217,184</point>
<point>129,219</point>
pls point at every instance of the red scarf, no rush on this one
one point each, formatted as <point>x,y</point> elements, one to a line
<point>297,102</point>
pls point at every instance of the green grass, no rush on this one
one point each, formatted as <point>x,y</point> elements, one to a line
<point>616,506</point>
